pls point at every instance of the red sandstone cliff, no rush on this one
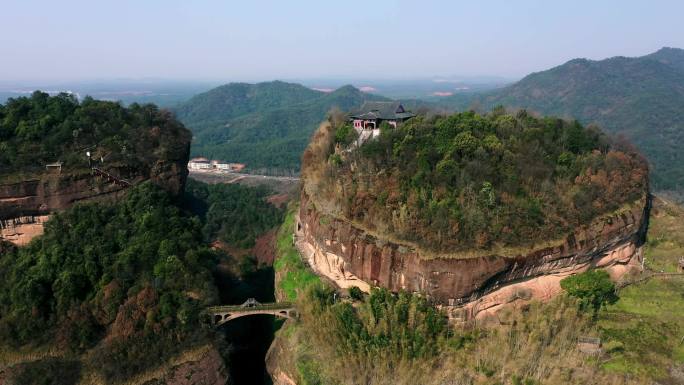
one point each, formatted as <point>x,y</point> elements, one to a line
<point>346,253</point>
<point>25,204</point>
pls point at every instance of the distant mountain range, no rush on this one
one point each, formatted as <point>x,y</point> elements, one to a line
<point>642,98</point>
<point>266,125</point>
<point>162,92</point>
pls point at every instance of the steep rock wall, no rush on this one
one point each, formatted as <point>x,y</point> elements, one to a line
<point>51,193</point>
<point>612,242</point>
<point>48,193</point>
<point>20,231</point>
<point>280,360</point>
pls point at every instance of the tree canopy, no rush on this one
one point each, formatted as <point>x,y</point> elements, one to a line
<point>593,289</point>
<point>468,181</point>
<point>233,213</point>
<point>44,129</point>
<point>138,270</point>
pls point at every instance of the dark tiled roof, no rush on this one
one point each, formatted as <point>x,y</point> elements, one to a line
<point>382,110</point>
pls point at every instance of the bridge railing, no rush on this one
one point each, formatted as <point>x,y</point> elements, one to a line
<point>263,306</point>
<point>110,177</point>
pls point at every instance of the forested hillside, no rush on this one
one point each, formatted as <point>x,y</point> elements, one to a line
<point>265,125</point>
<point>468,181</point>
<point>232,213</point>
<point>641,98</point>
<point>119,288</point>
<point>130,278</point>
<point>220,104</point>
<point>43,129</point>
<point>671,56</point>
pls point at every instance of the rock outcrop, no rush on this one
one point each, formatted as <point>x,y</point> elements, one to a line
<point>20,231</point>
<point>280,362</point>
<point>476,285</point>
<point>26,204</point>
<point>207,369</point>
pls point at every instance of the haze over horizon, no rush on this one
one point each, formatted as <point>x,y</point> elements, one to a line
<point>79,40</point>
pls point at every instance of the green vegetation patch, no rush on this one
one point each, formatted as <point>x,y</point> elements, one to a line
<point>644,330</point>
<point>50,371</point>
<point>593,289</point>
<point>309,372</point>
<point>405,326</point>
<point>665,244</point>
<point>232,213</point>
<point>646,325</point>
<point>295,276</point>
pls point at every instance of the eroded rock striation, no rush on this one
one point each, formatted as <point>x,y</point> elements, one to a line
<point>345,253</point>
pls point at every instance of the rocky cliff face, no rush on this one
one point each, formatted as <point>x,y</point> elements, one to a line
<point>26,204</point>
<point>345,253</point>
<point>280,362</point>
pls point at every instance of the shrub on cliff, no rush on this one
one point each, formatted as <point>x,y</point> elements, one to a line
<point>47,371</point>
<point>593,289</point>
<point>469,181</point>
<point>355,293</point>
<point>402,326</point>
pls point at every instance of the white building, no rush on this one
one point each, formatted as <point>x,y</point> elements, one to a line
<point>221,165</point>
<point>199,164</point>
<point>368,118</point>
<point>205,165</point>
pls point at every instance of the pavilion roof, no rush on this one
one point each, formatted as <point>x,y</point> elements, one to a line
<point>382,110</point>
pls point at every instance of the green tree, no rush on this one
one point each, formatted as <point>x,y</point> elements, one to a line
<point>355,293</point>
<point>593,289</point>
<point>465,143</point>
<point>98,264</point>
<point>345,135</point>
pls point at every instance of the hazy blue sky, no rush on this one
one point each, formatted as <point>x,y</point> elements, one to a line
<point>259,40</point>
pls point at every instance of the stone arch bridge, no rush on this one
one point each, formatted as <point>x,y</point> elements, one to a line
<point>222,314</point>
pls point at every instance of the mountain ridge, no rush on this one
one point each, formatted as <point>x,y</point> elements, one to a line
<point>638,97</point>
<point>266,134</point>
<point>243,98</point>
